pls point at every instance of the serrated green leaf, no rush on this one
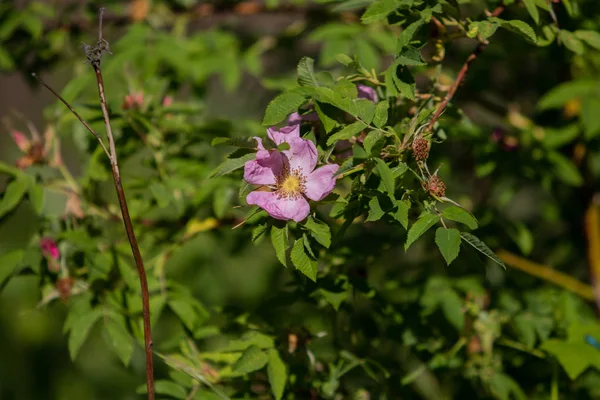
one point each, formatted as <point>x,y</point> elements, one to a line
<point>371,141</point>
<point>388,182</point>
<point>422,225</point>
<point>448,241</point>
<point>379,10</point>
<point>80,327</point>
<point>302,261</point>
<point>12,195</point>
<point>328,122</point>
<point>461,215</point>
<point>381,113</point>
<point>306,72</point>
<point>410,56</point>
<point>168,388</point>
<point>259,231</point>
<point>347,132</point>
<point>119,339</point>
<point>573,357</point>
<point>518,27</point>
<point>189,311</point>
<point>375,210</point>
<point>279,238</point>
<point>401,213</point>
<point>532,10</point>
<point>365,110</point>
<point>481,247</point>
<point>484,28</point>
<point>231,164</point>
<point>281,106</point>
<point>252,359</point>
<point>277,373</point>
<point>407,34</point>
<point>319,230</point>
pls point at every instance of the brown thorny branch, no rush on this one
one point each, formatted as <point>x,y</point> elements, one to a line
<point>94,54</point>
<point>459,78</point>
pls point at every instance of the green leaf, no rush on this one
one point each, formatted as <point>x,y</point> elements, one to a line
<point>12,195</point>
<point>388,182</point>
<point>482,248</point>
<point>532,10</point>
<point>282,106</point>
<point>252,359</point>
<point>461,215</point>
<point>80,327</point>
<point>37,196</point>
<point>564,92</point>
<point>371,141</point>
<point>302,261</point>
<point>306,72</point>
<point>483,28</point>
<point>335,299</point>
<point>188,310</point>
<point>452,307</point>
<point>401,213</point>
<point>9,262</point>
<point>591,38</point>
<point>279,238</point>
<point>347,132</point>
<point>407,34</point>
<point>319,230</point>
<point>448,241</point>
<point>243,142</point>
<point>119,339</point>
<point>231,164</point>
<point>518,27</point>
<point>328,122</point>
<point>168,388</point>
<point>573,357</point>
<point>365,110</point>
<point>259,231</point>
<point>571,41</point>
<point>410,56</point>
<point>564,169</point>
<point>379,10</point>
<point>277,373</point>
<point>590,116</point>
<point>375,210</point>
<point>422,225</point>
<point>381,113</point>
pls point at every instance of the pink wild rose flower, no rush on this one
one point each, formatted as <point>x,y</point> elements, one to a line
<point>290,174</point>
<point>49,248</point>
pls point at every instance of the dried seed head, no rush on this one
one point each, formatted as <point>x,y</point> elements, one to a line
<point>436,187</point>
<point>420,149</point>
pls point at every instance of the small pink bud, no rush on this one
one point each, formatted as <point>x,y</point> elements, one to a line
<point>167,101</point>
<point>22,141</point>
<point>49,248</point>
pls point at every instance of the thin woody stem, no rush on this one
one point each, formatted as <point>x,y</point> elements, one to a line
<point>102,47</point>
<point>75,113</point>
<point>93,54</point>
<point>459,78</point>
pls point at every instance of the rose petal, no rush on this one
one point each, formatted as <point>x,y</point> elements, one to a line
<point>302,155</point>
<point>367,92</point>
<point>321,182</point>
<point>264,169</point>
<point>285,134</point>
<point>280,208</point>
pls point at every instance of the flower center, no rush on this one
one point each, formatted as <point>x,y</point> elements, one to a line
<point>290,184</point>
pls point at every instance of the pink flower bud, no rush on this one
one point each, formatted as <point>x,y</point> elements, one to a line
<point>367,92</point>
<point>49,248</point>
<point>167,101</point>
<point>22,141</point>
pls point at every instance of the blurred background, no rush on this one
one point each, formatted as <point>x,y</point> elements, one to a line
<point>220,63</point>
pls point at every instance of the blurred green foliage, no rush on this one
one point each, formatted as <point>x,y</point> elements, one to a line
<point>384,314</point>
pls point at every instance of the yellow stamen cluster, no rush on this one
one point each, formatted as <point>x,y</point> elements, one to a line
<point>290,184</point>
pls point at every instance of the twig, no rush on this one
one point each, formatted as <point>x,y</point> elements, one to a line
<point>94,54</point>
<point>548,274</point>
<point>459,78</point>
<point>592,230</point>
<point>75,113</point>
